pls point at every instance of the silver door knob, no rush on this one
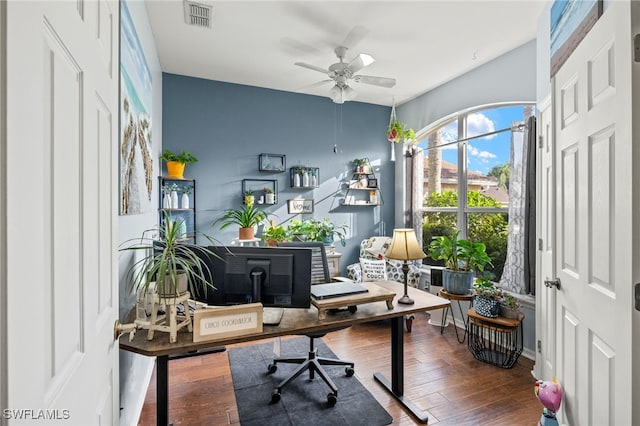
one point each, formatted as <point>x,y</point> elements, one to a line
<point>553,283</point>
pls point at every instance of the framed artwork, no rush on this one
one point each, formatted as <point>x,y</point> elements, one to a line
<point>571,20</point>
<point>372,183</point>
<point>272,163</point>
<point>300,206</point>
<point>136,157</point>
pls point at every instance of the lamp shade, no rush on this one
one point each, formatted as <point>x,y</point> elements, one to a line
<point>404,245</point>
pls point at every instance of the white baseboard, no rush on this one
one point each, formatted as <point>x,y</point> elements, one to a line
<point>133,395</point>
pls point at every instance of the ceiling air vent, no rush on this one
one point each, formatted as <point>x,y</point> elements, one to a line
<point>197,14</point>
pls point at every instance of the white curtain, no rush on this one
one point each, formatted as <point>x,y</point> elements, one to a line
<point>518,271</point>
<point>416,166</point>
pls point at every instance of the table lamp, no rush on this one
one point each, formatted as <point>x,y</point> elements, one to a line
<point>404,246</point>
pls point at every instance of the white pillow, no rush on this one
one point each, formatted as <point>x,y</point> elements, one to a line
<point>373,270</point>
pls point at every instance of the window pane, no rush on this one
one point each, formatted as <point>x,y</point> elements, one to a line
<point>488,158</point>
<point>435,224</point>
<point>491,229</point>
<point>441,164</point>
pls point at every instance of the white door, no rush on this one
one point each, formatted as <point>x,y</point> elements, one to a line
<point>594,251</point>
<point>545,300</point>
<point>62,114</point>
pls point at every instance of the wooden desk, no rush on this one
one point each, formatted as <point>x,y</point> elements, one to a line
<point>295,322</point>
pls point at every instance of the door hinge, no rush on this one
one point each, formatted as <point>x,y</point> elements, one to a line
<point>539,244</point>
<point>539,345</point>
<point>637,298</point>
<point>636,48</point>
<point>540,141</point>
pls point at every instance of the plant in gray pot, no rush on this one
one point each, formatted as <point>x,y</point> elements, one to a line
<point>509,306</point>
<point>462,259</point>
<point>487,299</point>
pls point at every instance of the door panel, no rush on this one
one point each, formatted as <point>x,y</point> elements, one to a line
<point>62,243</point>
<point>594,248</point>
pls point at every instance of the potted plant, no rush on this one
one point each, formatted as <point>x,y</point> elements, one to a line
<point>462,259</point>
<point>361,165</point>
<point>487,297</point>
<point>509,306</point>
<point>325,230</point>
<point>274,234</point>
<point>249,198</point>
<point>177,162</point>
<point>269,196</point>
<point>181,265</point>
<point>246,218</point>
<point>186,191</point>
<point>398,132</point>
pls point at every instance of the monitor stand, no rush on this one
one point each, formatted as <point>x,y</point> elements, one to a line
<point>272,316</point>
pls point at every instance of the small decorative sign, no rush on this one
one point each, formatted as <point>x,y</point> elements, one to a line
<point>299,206</point>
<point>214,323</point>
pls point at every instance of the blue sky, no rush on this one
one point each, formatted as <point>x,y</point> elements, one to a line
<point>488,152</point>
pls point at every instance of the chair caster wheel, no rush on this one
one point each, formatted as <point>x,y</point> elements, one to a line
<point>275,396</point>
<point>331,399</point>
<point>353,309</point>
<point>349,371</point>
<point>271,368</point>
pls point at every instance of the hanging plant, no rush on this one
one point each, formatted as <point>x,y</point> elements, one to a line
<point>397,131</point>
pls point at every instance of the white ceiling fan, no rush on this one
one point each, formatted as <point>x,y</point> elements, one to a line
<point>343,73</point>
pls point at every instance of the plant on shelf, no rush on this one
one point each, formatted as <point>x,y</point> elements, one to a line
<point>269,196</point>
<point>274,234</point>
<point>399,132</point>
<point>177,162</point>
<point>181,265</point>
<point>361,165</point>
<point>487,297</point>
<point>249,198</point>
<point>462,259</point>
<point>246,218</point>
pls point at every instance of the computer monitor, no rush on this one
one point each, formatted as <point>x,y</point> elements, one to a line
<point>276,277</point>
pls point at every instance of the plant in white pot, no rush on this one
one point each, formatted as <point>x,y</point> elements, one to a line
<point>181,265</point>
<point>462,259</point>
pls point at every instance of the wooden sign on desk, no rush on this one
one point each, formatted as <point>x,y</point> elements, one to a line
<point>215,323</point>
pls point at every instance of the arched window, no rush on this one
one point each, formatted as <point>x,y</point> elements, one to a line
<point>469,162</point>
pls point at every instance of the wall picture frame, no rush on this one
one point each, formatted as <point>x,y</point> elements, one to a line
<point>300,206</point>
<point>571,20</point>
<point>275,163</point>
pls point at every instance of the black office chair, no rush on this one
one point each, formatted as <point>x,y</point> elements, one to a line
<point>312,362</point>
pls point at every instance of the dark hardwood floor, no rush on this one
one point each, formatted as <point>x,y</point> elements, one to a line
<point>441,376</point>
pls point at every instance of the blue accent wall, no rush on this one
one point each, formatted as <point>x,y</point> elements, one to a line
<point>226,126</point>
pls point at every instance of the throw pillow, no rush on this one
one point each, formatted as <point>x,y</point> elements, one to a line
<point>373,270</point>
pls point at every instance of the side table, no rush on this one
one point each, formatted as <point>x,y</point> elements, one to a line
<point>496,341</point>
<point>458,298</point>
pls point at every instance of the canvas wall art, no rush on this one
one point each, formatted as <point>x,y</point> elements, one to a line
<point>136,160</point>
<point>571,20</point>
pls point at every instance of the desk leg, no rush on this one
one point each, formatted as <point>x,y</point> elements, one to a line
<point>396,387</point>
<point>162,390</point>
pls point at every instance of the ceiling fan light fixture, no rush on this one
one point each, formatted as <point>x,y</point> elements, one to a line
<point>336,95</point>
<point>348,93</point>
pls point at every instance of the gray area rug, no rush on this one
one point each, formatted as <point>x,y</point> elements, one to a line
<point>304,401</point>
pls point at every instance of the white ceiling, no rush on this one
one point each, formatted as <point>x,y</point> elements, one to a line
<point>421,44</point>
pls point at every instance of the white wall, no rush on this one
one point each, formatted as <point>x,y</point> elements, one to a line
<point>3,216</point>
<point>135,370</point>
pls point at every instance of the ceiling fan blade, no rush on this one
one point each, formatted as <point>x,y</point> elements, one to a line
<point>354,37</point>
<point>359,62</point>
<point>312,67</point>
<point>376,81</point>
<point>314,85</point>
